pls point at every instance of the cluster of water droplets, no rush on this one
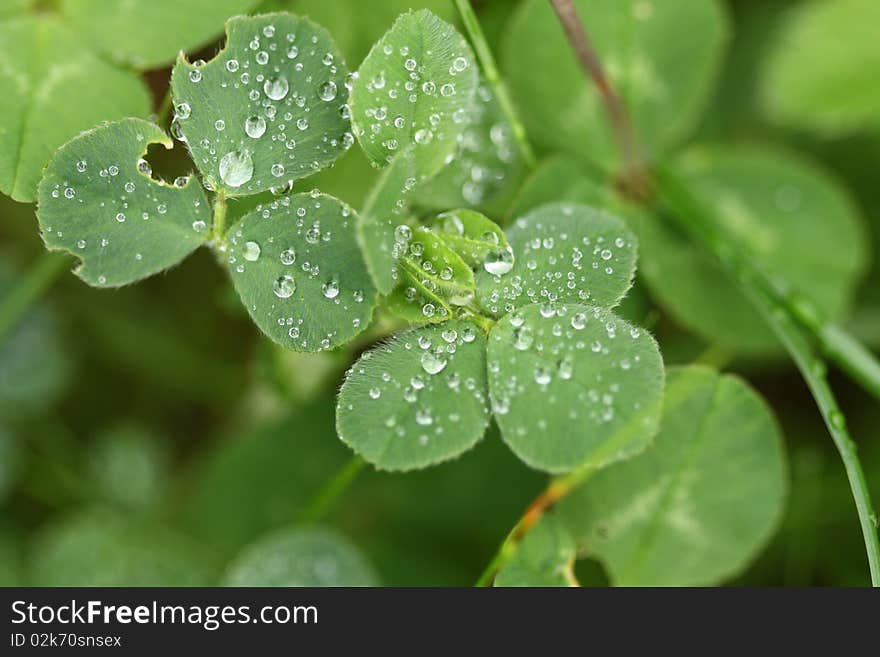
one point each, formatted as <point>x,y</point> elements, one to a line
<point>556,262</point>
<point>486,158</point>
<point>571,358</point>
<point>430,395</point>
<point>412,100</point>
<point>294,248</point>
<point>295,119</point>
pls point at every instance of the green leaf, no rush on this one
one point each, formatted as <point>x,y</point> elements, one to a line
<point>385,210</point>
<point>296,265</point>
<point>269,109</point>
<point>100,548</point>
<point>416,87</point>
<point>560,178</point>
<point>433,278</point>
<point>365,22</point>
<point>471,235</point>
<point>11,458</point>
<point>662,56</point>
<point>12,8</point>
<point>573,386</point>
<point>487,166</point>
<point>821,71</point>
<point>786,214</point>
<point>427,259</point>
<point>699,504</point>
<point>415,303</point>
<point>150,33</point>
<point>544,557</point>
<point>561,252</point>
<point>129,467</point>
<point>98,202</point>
<point>35,359</point>
<point>419,399</point>
<point>42,68</point>
<point>301,557</point>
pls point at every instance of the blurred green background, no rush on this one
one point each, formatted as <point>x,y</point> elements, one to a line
<point>149,434</point>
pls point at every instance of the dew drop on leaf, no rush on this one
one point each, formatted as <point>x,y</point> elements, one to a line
<point>284,286</point>
<point>236,168</point>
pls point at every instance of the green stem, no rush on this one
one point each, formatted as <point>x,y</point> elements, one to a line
<point>813,370</point>
<point>37,279</point>
<point>332,490</point>
<point>163,113</point>
<point>786,316</point>
<point>493,77</point>
<point>558,488</point>
<point>218,222</point>
<point>778,312</point>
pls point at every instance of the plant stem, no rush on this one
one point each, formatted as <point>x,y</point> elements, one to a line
<point>332,490</point>
<point>777,311</point>
<point>813,370</point>
<point>37,279</point>
<point>163,112</point>
<point>546,500</point>
<point>635,178</point>
<point>218,222</point>
<point>787,317</point>
<point>499,88</point>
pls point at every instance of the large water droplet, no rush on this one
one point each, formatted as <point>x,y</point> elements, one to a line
<point>236,168</point>
<point>284,286</point>
<point>251,251</point>
<point>276,88</point>
<point>499,262</point>
<point>433,363</point>
<point>255,126</point>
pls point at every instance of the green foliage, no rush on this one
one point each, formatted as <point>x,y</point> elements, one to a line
<point>544,558</point>
<point>471,235</point>
<point>102,548</point>
<point>297,267</point>
<point>418,400</point>
<point>788,215</point>
<point>221,449</point>
<point>663,72</point>
<point>414,88</point>
<point>98,202</point>
<point>694,507</point>
<point>300,557</point>
<point>129,467</point>
<point>42,67</point>
<point>150,33</point>
<point>487,166</point>
<point>561,253</point>
<point>821,72</point>
<point>269,109</point>
<point>384,211</point>
<point>572,386</point>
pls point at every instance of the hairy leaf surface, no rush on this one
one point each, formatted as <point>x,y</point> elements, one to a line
<point>296,265</point>
<point>269,109</point>
<point>98,202</point>
<point>695,507</point>
<point>573,386</point>
<point>419,399</point>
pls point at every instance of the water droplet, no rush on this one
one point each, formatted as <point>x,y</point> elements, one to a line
<point>284,286</point>
<point>232,65</point>
<point>251,251</point>
<point>276,88</point>
<point>499,262</point>
<point>195,75</point>
<point>288,256</point>
<point>255,126</point>
<point>433,363</point>
<point>236,168</point>
<point>330,289</point>
<point>522,338</point>
<point>328,91</point>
